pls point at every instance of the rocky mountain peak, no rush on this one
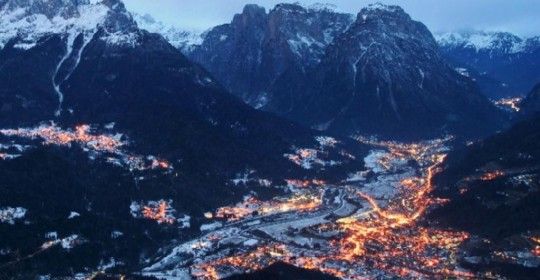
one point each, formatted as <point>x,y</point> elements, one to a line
<point>59,8</point>
<point>48,8</point>
<point>289,7</point>
<point>249,54</point>
<point>388,20</point>
<point>29,20</point>
<point>532,44</point>
<point>380,7</point>
<point>252,17</point>
<point>387,67</point>
<point>382,10</point>
<point>253,10</point>
<point>323,7</point>
<point>306,31</point>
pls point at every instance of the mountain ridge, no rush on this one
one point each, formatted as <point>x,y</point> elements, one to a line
<point>358,79</point>
<point>249,54</point>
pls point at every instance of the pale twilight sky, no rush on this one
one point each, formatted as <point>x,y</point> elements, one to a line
<point>518,16</point>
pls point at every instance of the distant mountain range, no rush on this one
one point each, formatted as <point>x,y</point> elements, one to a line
<point>182,39</point>
<point>503,64</point>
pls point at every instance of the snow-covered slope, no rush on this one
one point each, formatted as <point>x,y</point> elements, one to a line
<point>184,40</point>
<point>27,21</point>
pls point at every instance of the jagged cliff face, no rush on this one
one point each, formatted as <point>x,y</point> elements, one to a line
<point>503,64</point>
<point>385,76</point>
<point>233,52</point>
<point>304,32</point>
<point>256,48</point>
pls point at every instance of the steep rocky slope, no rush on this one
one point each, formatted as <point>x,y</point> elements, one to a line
<point>256,48</point>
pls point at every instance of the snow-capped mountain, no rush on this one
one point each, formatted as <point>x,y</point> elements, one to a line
<point>494,42</point>
<point>504,64</point>
<point>385,75</point>
<point>25,22</point>
<point>256,48</point>
<point>183,40</point>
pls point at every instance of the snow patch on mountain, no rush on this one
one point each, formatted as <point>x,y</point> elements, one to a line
<point>10,214</point>
<point>87,37</point>
<point>322,7</point>
<point>308,41</point>
<point>303,43</point>
<point>463,71</point>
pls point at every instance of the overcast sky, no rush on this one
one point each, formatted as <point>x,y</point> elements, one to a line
<point>518,16</point>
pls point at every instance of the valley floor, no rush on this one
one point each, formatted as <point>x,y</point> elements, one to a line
<point>366,227</point>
